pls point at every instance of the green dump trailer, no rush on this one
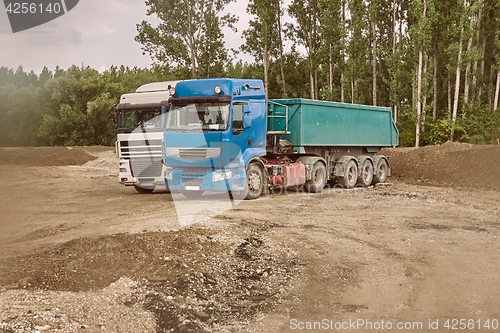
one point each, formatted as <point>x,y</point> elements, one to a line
<point>335,141</point>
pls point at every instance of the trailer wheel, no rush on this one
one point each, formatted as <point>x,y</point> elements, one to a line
<point>365,173</point>
<point>144,190</point>
<point>381,171</point>
<point>316,184</point>
<point>350,177</point>
<point>254,183</point>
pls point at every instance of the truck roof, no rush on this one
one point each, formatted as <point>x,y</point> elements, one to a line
<point>156,86</point>
<point>147,95</point>
<point>236,88</point>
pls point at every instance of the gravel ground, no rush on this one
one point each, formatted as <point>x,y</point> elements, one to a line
<point>81,253</point>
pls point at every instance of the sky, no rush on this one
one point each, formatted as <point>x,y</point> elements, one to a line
<point>95,33</point>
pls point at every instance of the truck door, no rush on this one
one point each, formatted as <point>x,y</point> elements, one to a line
<point>241,139</point>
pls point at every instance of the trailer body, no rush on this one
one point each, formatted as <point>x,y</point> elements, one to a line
<point>321,123</point>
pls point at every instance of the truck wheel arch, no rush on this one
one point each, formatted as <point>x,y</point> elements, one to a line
<point>341,163</point>
<point>309,162</point>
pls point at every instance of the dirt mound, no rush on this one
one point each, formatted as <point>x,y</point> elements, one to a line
<point>48,156</point>
<point>450,164</point>
<point>219,277</point>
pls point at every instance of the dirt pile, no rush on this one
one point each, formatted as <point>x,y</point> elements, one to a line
<point>450,164</point>
<point>49,156</point>
<point>191,280</point>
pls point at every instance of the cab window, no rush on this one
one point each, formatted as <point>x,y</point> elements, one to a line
<point>238,117</point>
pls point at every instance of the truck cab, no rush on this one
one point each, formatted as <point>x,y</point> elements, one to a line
<point>213,131</point>
<point>139,134</point>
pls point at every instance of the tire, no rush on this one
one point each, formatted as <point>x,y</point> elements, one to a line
<point>365,177</point>
<point>381,171</point>
<point>144,190</point>
<point>192,194</point>
<point>350,177</point>
<point>254,185</point>
<point>318,181</point>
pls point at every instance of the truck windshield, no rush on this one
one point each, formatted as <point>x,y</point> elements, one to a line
<point>198,116</point>
<point>143,120</point>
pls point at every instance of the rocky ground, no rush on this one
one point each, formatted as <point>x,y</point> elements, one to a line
<point>81,253</point>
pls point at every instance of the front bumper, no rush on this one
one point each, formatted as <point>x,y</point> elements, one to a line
<point>216,180</point>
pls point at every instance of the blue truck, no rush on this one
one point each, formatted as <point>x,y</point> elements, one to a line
<point>223,135</point>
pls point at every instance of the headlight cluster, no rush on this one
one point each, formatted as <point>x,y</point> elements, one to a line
<point>219,176</point>
<point>167,173</point>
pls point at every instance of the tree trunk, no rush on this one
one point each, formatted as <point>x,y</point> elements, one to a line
<point>467,74</point>
<point>481,73</point>
<point>419,96</point>
<point>474,67</point>
<point>450,92</point>
<point>419,85</point>
<point>330,65</point>
<point>435,84</point>
<point>282,64</point>
<point>497,92</point>
<point>394,39</point>
<point>265,57</point>
<point>374,61</point>
<point>424,94</point>
<point>191,42</point>
<point>353,86</point>
<point>491,87</point>
<point>457,83</point>
<point>311,65</point>
<point>342,56</point>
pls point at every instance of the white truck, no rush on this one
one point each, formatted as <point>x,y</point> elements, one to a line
<point>138,146</point>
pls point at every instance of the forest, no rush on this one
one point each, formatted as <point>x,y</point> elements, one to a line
<point>435,63</point>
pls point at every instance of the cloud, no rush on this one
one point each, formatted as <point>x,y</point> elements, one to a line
<point>97,29</point>
<point>95,33</point>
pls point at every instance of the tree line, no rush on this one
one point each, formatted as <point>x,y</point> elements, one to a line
<point>435,63</point>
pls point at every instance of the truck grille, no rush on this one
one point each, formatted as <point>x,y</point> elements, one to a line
<point>145,167</point>
<point>144,156</point>
<point>193,154</point>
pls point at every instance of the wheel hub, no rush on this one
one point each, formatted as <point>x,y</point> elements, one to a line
<point>254,181</point>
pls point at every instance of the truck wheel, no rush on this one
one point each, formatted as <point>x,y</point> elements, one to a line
<point>255,182</point>
<point>144,190</point>
<point>381,171</point>
<point>350,177</point>
<point>316,184</point>
<point>365,177</point>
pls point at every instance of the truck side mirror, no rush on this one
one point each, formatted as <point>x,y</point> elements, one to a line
<point>247,119</point>
<point>115,119</point>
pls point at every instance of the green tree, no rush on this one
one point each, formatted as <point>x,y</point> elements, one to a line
<point>305,32</point>
<point>263,39</point>
<point>189,35</point>
<point>82,112</point>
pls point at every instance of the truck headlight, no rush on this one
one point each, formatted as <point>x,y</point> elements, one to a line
<point>167,173</point>
<point>219,176</point>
